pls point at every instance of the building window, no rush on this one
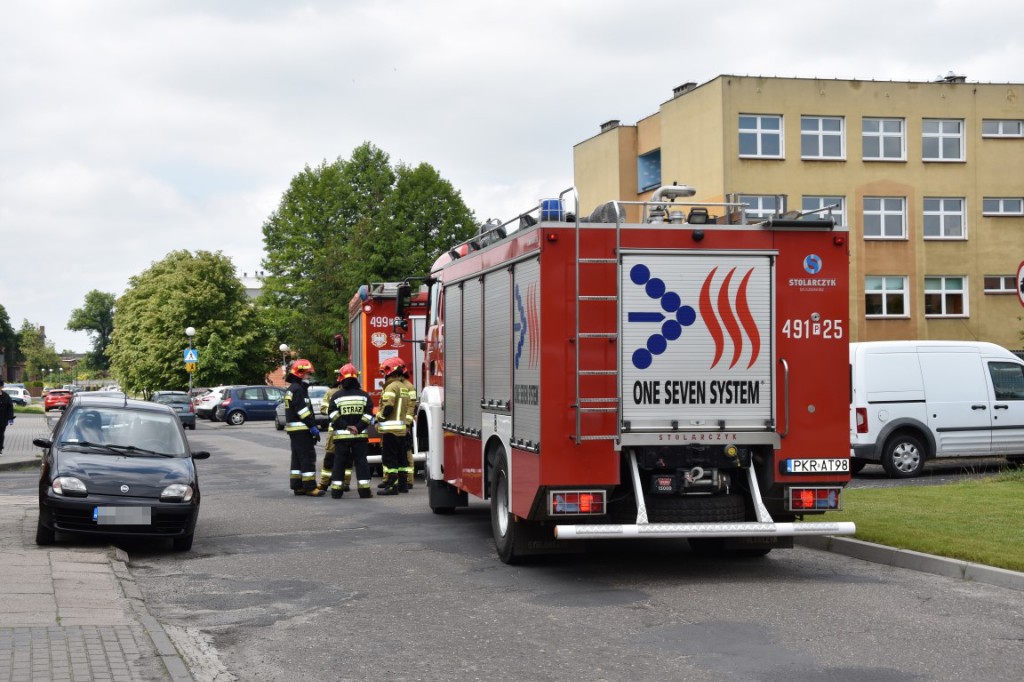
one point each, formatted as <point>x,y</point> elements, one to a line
<point>648,170</point>
<point>885,218</point>
<point>1002,128</point>
<point>760,136</point>
<point>942,140</point>
<point>883,139</point>
<point>944,218</point>
<point>761,206</point>
<point>885,296</point>
<point>821,137</point>
<point>998,206</point>
<point>838,210</point>
<point>1000,284</point>
<point>945,296</point>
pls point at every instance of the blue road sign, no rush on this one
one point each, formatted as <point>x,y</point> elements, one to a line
<point>191,355</point>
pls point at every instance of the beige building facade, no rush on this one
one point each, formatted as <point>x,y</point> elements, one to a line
<point>927,176</point>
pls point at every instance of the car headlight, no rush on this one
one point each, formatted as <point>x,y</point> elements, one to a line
<point>177,492</point>
<point>69,486</point>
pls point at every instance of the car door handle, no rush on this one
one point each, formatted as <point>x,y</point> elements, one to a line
<point>977,407</point>
<point>1002,407</point>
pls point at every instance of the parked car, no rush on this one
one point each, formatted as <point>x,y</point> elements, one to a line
<point>316,395</point>
<point>242,403</point>
<point>206,404</point>
<point>57,399</point>
<point>19,396</point>
<point>180,402</point>
<point>121,468</point>
<point>911,401</point>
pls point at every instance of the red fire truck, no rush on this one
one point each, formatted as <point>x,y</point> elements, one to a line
<point>684,375</point>
<point>374,337</point>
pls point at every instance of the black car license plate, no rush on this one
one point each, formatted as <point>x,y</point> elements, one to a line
<point>122,516</point>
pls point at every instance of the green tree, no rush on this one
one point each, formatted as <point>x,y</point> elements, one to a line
<point>199,290</point>
<point>349,223</point>
<point>40,354</point>
<point>8,345</point>
<point>97,318</point>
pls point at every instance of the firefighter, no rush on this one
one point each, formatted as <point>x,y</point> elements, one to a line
<point>300,423</point>
<point>351,413</point>
<point>397,405</point>
<point>328,463</point>
<point>410,471</point>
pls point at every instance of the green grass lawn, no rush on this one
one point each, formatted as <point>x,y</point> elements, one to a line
<point>28,409</point>
<point>979,521</point>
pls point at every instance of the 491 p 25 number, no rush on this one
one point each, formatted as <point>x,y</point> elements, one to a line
<point>809,329</point>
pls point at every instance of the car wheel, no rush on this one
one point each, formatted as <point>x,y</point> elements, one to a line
<point>184,543</point>
<point>44,535</point>
<point>278,425</point>
<point>236,418</point>
<point>903,457</point>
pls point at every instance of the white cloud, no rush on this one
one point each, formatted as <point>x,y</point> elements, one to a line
<point>134,128</point>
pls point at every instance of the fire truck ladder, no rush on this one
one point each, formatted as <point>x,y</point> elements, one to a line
<point>594,404</point>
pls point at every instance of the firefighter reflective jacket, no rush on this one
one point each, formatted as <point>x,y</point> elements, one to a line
<point>298,410</point>
<point>350,407</point>
<point>398,406</point>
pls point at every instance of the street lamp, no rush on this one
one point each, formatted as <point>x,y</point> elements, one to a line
<point>190,332</point>
<point>284,358</point>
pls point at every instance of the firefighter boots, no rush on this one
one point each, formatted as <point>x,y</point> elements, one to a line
<point>402,484</point>
<point>390,485</point>
<point>364,493</point>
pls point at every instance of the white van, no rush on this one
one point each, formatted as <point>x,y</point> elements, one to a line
<point>911,401</point>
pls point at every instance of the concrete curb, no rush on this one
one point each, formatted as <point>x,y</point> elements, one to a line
<point>165,649</point>
<point>916,561</point>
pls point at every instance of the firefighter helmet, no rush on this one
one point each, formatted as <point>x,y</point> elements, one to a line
<point>302,367</point>
<point>392,365</point>
<point>348,371</point>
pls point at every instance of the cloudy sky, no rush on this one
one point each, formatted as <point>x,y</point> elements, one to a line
<point>130,128</point>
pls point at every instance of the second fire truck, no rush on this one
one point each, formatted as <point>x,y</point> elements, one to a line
<point>680,375</point>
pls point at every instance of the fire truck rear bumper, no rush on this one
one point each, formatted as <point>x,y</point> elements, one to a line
<point>701,530</point>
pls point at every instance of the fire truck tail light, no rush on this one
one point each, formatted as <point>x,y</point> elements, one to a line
<point>862,419</point>
<point>576,502</point>
<point>800,499</point>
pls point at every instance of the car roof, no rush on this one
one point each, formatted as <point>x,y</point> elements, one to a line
<point>108,399</point>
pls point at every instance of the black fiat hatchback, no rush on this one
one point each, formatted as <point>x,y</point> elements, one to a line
<point>121,468</point>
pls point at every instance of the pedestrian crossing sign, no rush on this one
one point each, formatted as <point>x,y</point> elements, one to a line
<point>191,355</point>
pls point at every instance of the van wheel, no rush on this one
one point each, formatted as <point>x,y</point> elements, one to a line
<point>903,456</point>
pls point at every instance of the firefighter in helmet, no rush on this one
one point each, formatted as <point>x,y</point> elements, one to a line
<point>328,463</point>
<point>410,471</point>
<point>351,413</point>
<point>300,423</point>
<point>397,405</point>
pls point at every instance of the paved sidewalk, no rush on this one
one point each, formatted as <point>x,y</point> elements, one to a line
<point>70,613</point>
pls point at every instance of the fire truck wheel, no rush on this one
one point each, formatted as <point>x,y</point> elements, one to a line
<point>503,525</point>
<point>904,456</point>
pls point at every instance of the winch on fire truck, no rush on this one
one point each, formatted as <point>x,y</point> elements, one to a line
<point>657,369</point>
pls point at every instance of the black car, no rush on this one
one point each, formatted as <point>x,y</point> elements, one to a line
<point>121,468</point>
<point>181,403</point>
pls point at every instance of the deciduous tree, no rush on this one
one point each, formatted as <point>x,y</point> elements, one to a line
<point>97,318</point>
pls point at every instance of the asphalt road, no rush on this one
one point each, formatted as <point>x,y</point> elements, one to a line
<point>279,587</point>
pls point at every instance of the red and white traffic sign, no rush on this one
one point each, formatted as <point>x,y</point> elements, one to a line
<point>1020,283</point>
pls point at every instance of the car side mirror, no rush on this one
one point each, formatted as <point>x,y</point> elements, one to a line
<point>44,443</point>
<point>202,454</point>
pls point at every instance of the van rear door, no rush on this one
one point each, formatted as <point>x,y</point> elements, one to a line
<point>957,395</point>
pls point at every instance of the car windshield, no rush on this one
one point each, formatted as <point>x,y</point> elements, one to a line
<point>118,430</point>
<point>171,398</point>
<point>317,391</point>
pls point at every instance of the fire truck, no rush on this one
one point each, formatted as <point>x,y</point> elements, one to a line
<point>681,374</point>
<point>375,337</point>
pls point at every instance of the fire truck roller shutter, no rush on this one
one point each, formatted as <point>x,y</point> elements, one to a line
<point>526,316</point>
<point>472,352</point>
<point>453,355</point>
<point>497,394</point>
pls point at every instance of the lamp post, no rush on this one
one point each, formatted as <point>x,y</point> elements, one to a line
<point>284,359</point>
<point>190,332</point>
